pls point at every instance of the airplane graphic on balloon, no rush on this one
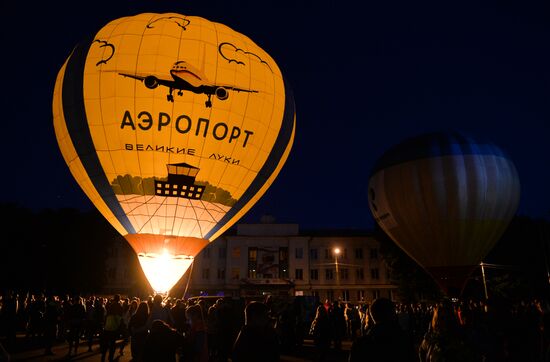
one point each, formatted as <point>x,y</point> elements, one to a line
<point>185,77</point>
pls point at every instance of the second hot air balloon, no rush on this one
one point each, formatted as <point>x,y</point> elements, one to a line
<point>174,126</point>
<point>445,199</point>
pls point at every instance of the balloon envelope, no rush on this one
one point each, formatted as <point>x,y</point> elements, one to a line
<point>445,199</point>
<point>174,126</point>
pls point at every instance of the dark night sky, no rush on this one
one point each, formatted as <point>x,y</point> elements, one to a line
<point>364,78</point>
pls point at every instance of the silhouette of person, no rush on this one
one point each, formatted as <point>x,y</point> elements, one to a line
<point>158,311</point>
<point>74,321</point>
<point>445,339</point>
<point>52,312</point>
<point>385,341</point>
<point>111,330</point>
<point>257,340</point>
<point>337,324</point>
<point>196,340</point>
<point>137,326</point>
<point>321,332</point>
<point>162,343</point>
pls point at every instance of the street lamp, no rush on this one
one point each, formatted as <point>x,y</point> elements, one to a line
<point>484,280</point>
<point>336,253</point>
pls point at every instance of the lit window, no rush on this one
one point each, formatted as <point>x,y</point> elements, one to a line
<point>235,275</point>
<point>236,252</point>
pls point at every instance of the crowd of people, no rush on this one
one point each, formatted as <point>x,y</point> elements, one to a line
<point>218,330</point>
<point>155,329</point>
<point>446,331</point>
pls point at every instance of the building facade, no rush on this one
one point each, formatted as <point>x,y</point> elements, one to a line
<point>276,259</point>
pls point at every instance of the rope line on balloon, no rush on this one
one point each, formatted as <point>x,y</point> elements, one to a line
<point>198,222</point>
<point>141,204</point>
<point>183,218</point>
<point>208,211</point>
<point>174,217</point>
<point>153,214</point>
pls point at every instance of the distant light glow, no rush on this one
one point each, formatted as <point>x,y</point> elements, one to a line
<point>336,251</point>
<point>164,270</point>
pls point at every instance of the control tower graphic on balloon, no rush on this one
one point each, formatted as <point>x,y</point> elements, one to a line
<point>174,127</point>
<point>181,182</point>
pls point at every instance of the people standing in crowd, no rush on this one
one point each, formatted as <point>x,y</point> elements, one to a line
<point>257,340</point>
<point>89,328</point>
<point>364,318</point>
<point>230,320</point>
<point>162,343</point>
<point>8,317</point>
<point>286,326</point>
<point>111,329</point>
<point>98,318</point>
<point>158,311</point>
<point>445,339</point>
<point>353,321</point>
<point>337,324</point>
<point>213,326</point>
<point>137,326</point>
<point>74,322</point>
<point>385,340</point>
<point>321,333</point>
<point>196,340</point>
<point>36,307</point>
<point>178,316</point>
<point>64,303</point>
<point>52,313</point>
<point>128,309</point>
<point>494,330</point>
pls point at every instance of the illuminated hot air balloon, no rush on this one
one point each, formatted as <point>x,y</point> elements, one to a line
<point>445,199</point>
<point>174,126</point>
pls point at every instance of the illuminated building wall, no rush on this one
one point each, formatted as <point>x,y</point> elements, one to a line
<point>276,259</point>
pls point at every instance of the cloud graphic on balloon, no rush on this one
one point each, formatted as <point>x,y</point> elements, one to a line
<point>180,21</point>
<point>233,54</point>
<point>108,54</point>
